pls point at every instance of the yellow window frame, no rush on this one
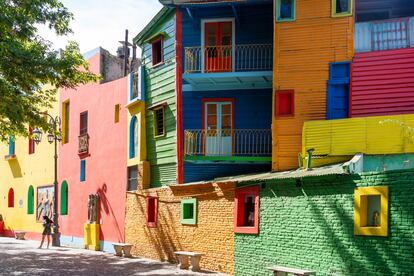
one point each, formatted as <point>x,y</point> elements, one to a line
<point>361,210</point>
<point>154,112</point>
<point>65,117</point>
<point>342,14</point>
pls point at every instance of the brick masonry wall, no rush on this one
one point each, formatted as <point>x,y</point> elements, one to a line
<point>213,235</point>
<point>313,228</point>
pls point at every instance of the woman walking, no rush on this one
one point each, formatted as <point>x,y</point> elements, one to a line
<point>47,230</point>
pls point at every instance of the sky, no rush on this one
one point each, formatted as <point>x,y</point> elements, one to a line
<point>103,22</point>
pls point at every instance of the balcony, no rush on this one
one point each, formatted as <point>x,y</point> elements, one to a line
<point>384,35</point>
<point>228,146</point>
<point>246,66</point>
<point>83,147</point>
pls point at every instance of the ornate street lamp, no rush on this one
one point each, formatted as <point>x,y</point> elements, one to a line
<point>52,137</point>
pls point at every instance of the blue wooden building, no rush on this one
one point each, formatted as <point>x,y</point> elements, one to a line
<point>225,87</point>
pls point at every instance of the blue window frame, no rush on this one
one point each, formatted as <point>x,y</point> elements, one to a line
<point>11,146</point>
<point>82,170</point>
<point>285,10</point>
<point>133,137</point>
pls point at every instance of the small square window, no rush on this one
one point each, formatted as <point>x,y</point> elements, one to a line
<point>285,10</point>
<point>247,210</point>
<point>152,210</point>
<point>341,8</point>
<point>157,51</point>
<point>189,211</point>
<point>117,109</point>
<point>159,122</point>
<point>284,103</point>
<point>371,211</point>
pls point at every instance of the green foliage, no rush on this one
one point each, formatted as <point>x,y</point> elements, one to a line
<point>31,71</point>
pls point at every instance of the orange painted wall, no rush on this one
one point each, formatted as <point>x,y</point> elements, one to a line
<point>302,53</point>
<point>213,234</point>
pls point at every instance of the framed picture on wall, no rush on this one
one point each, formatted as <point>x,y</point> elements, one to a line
<point>45,202</point>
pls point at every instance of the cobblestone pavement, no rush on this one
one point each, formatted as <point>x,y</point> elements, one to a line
<point>23,258</point>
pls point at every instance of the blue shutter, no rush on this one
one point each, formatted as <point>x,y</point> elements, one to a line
<point>82,170</point>
<point>141,83</point>
<point>11,145</point>
<point>132,137</point>
<point>337,98</point>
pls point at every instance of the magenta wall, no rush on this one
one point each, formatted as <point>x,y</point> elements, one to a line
<point>382,83</point>
<point>106,161</point>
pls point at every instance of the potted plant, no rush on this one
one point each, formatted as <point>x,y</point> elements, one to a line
<point>1,224</point>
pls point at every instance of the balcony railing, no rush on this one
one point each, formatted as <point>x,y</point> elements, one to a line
<point>384,35</point>
<point>212,59</point>
<point>83,144</point>
<point>231,142</point>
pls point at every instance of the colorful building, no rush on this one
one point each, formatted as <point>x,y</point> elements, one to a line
<point>27,175</point>
<point>93,150</point>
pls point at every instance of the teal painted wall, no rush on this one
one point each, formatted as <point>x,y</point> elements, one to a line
<point>388,162</point>
<point>160,87</point>
<point>312,228</point>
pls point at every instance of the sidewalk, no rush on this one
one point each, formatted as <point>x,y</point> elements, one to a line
<point>23,258</point>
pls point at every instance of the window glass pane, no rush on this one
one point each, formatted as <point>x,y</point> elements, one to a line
<point>188,211</point>
<point>159,122</point>
<point>83,123</point>
<point>249,210</point>
<point>211,34</point>
<point>226,33</point>
<point>342,6</point>
<point>286,9</point>
<point>132,178</point>
<point>374,210</point>
<point>136,132</point>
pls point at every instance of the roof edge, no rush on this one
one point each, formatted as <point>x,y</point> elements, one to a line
<point>140,37</point>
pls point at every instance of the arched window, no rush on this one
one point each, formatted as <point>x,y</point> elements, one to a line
<point>11,198</point>
<point>64,198</point>
<point>30,200</point>
<point>133,137</point>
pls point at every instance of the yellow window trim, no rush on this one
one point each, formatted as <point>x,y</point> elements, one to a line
<point>64,115</point>
<point>333,9</point>
<point>361,211</point>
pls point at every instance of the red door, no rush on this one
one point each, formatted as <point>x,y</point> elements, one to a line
<point>218,46</point>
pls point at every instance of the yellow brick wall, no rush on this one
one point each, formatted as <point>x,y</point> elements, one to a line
<point>303,50</point>
<point>213,234</point>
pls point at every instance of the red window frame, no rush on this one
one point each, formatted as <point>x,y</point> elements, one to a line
<point>31,142</point>
<point>152,211</point>
<point>10,198</point>
<point>155,58</point>
<point>279,103</point>
<point>239,197</point>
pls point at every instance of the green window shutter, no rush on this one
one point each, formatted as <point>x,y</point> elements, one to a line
<point>30,200</point>
<point>189,211</point>
<point>64,198</point>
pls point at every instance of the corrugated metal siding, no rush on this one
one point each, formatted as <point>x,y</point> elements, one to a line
<point>369,135</point>
<point>303,51</point>
<point>160,87</point>
<point>204,172</point>
<point>383,83</point>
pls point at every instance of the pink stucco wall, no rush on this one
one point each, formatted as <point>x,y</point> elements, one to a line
<point>105,163</point>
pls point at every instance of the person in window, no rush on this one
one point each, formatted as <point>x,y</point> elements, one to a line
<point>47,230</point>
<point>249,211</point>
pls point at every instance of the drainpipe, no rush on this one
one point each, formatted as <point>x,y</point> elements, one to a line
<point>309,163</point>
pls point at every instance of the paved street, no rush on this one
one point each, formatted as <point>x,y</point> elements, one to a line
<point>23,258</point>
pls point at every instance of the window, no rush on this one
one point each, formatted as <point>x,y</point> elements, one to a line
<point>159,126</point>
<point>157,51</point>
<point>82,170</point>
<point>337,96</point>
<point>284,103</point>
<point>64,198</point>
<point>285,10</point>
<point>10,198</point>
<point>30,200</point>
<point>371,211</point>
<point>247,210</point>
<point>117,109</point>
<point>152,209</point>
<point>83,129</point>
<point>132,178</point>
<point>12,145</point>
<point>341,8</point>
<point>133,137</point>
<point>32,143</point>
<point>189,211</point>
<point>65,122</point>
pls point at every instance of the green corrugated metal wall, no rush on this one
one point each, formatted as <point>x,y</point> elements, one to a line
<point>160,87</point>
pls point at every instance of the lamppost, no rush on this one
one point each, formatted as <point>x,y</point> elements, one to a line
<point>52,137</point>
